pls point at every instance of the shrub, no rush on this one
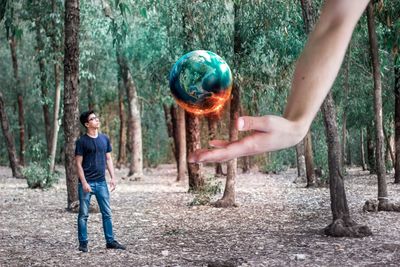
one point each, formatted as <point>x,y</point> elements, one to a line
<point>38,176</point>
<point>203,196</point>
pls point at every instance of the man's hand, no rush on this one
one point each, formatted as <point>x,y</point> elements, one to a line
<point>86,187</point>
<point>113,184</point>
<point>271,133</point>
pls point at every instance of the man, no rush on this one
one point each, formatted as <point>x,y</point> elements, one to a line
<point>92,155</point>
<point>316,70</point>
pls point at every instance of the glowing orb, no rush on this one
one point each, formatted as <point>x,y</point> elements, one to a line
<point>201,82</point>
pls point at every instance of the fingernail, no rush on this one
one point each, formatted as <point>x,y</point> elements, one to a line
<point>240,123</point>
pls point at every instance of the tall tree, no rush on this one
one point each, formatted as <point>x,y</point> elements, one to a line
<point>120,31</point>
<point>383,200</point>
<point>397,122</point>
<point>43,80</point>
<point>121,160</point>
<point>71,93</point>
<point>346,86</point>
<point>57,85</point>
<point>309,18</point>
<point>5,125</point>
<point>192,122</point>
<point>229,197</point>
<point>212,121</point>
<point>379,139</point>
<point>11,32</point>
<point>176,129</point>
<point>134,120</point>
<point>181,136</point>
<point>342,224</point>
<point>362,150</point>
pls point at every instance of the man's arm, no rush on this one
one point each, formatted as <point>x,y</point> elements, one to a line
<point>321,59</point>
<point>110,168</point>
<point>316,70</point>
<point>81,174</point>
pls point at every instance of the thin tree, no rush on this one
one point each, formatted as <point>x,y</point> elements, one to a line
<point>383,201</point>
<point>11,31</point>
<point>71,93</point>
<point>57,87</point>
<point>345,104</point>
<point>397,123</point>
<point>212,121</point>
<point>43,78</point>
<point>229,197</point>
<point>181,136</point>
<point>342,224</point>
<point>121,160</point>
<point>134,119</point>
<point>362,150</point>
<point>192,122</point>
<point>309,18</point>
<point>9,140</point>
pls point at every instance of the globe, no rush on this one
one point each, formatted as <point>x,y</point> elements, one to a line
<point>201,82</point>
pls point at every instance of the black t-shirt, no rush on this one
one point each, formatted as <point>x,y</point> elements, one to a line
<point>93,151</point>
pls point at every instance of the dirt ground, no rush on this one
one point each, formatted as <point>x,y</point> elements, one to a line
<point>277,223</point>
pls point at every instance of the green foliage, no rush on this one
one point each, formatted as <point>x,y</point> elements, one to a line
<point>154,34</point>
<point>204,195</point>
<point>279,161</point>
<point>38,176</point>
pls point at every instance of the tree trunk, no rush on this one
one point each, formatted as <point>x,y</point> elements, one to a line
<point>371,150</point>
<point>90,94</point>
<point>71,95</point>
<point>56,125</point>
<point>309,159</point>
<point>176,129</point>
<point>181,136</point>
<point>344,117</point>
<point>342,224</point>
<point>196,179</point>
<point>309,18</point>
<point>122,125</point>
<point>363,164</point>
<point>229,197</point>
<point>171,119</point>
<point>12,154</point>
<point>389,155</point>
<point>134,120</point>
<point>43,86</point>
<point>301,163</point>
<point>20,100</point>
<point>397,125</point>
<point>212,134</point>
<point>379,141</point>
<point>57,96</point>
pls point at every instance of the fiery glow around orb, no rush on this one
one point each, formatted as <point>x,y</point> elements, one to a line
<point>201,82</point>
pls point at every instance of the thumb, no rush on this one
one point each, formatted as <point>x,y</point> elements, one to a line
<point>262,124</point>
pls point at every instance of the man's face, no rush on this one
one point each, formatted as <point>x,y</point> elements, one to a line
<point>93,121</point>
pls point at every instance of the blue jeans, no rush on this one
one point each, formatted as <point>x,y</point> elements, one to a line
<point>100,190</point>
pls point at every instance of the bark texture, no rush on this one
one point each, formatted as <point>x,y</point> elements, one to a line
<point>71,96</point>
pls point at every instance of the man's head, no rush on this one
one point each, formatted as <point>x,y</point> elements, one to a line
<point>89,119</point>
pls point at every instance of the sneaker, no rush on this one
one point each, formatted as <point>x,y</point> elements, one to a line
<point>115,245</point>
<point>83,247</point>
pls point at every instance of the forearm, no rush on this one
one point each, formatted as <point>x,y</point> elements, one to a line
<point>81,174</point>
<point>110,168</point>
<point>320,61</point>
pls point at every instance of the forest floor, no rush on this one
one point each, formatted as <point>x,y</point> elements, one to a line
<point>277,223</point>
